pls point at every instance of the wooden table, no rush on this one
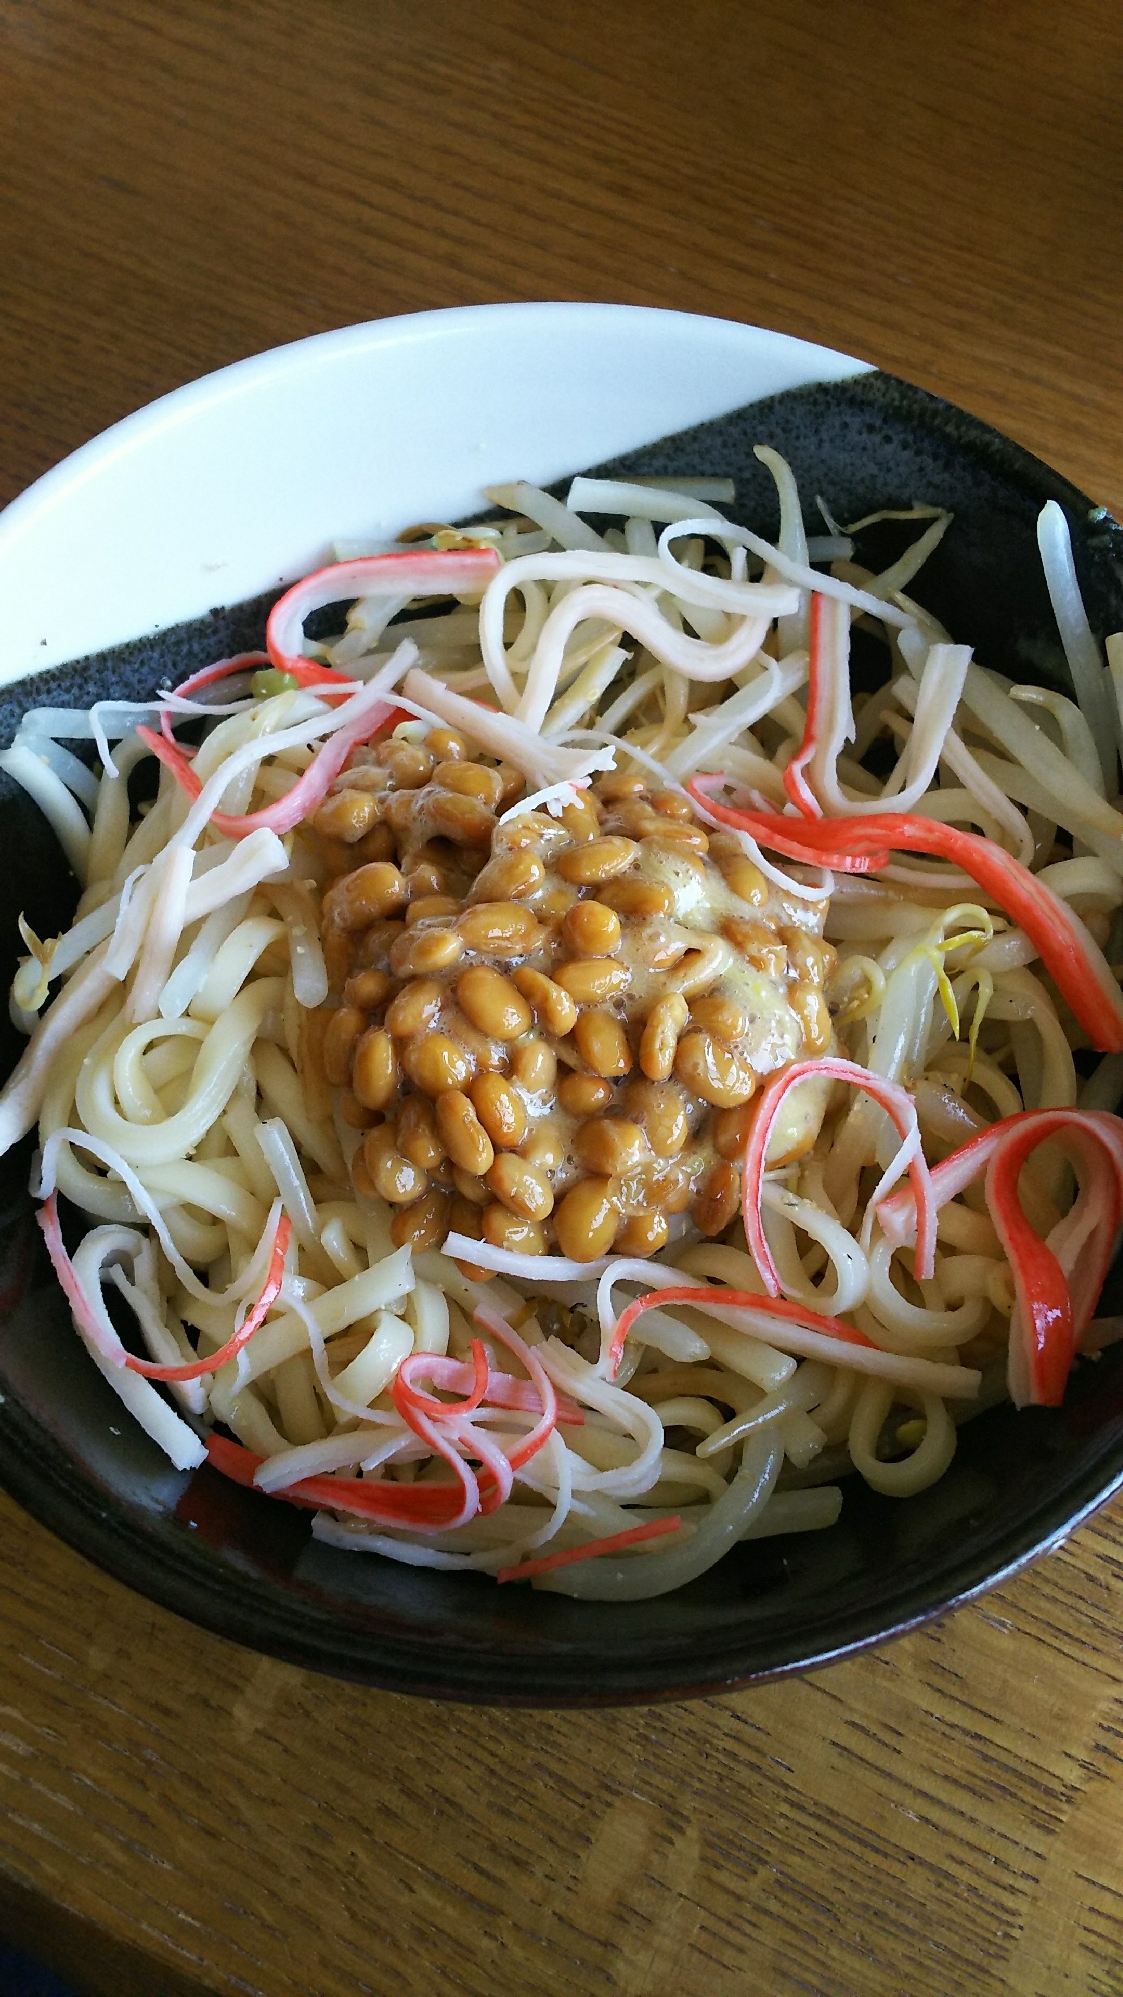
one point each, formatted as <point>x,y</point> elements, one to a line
<point>933,187</point>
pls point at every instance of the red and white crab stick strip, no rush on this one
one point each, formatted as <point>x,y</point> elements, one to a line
<point>225,669</point>
<point>1056,1282</point>
<point>897,1212</point>
<point>860,845</point>
<point>427,572</point>
<point>898,1105</point>
<point>107,1342</point>
<point>502,1390</point>
<point>446,1427</point>
<point>420,1507</point>
<point>792,1327</point>
<point>308,792</point>
<point>539,1435</point>
<point>830,719</point>
<point>451,1435</point>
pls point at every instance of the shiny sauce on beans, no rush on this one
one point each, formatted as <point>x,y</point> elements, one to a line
<point>547,1033</point>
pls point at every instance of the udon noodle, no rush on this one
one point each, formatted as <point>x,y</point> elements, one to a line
<point>550,1079</point>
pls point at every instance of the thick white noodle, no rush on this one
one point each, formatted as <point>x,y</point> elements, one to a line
<point>846,1257</point>
<point>576,1377</point>
<point>22,1095</point>
<point>171,872</point>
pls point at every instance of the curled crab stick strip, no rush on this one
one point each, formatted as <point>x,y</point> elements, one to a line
<point>431,1366</point>
<point>447,1426</point>
<point>271,1289</point>
<point>453,1435</point>
<point>539,1380</point>
<point>1057,1282</point>
<point>792,1327</point>
<point>446,1429</point>
<point>830,720</point>
<point>749,1300</point>
<point>1044,1336</point>
<point>860,845</point>
<point>442,1437</point>
<point>455,1376</point>
<point>896,1213</point>
<point>223,670</point>
<point>615,1543</point>
<point>305,672</point>
<point>422,1507</point>
<point>898,1105</point>
<point>47,1217</point>
<point>111,1348</point>
<point>309,791</point>
<point>496,1475</point>
<point>1044,1331</point>
<point>431,573</point>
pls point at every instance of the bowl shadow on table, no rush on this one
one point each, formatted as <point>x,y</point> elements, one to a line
<point>245,1566</point>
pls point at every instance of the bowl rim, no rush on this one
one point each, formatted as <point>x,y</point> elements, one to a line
<point>231,484</point>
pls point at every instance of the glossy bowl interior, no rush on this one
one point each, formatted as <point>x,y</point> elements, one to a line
<point>246,1566</point>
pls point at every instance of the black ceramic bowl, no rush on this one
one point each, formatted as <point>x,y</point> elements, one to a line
<point>247,1567</point>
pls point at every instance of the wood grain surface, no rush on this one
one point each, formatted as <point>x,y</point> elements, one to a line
<point>936,188</point>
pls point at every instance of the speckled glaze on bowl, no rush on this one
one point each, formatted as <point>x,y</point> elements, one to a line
<point>246,1567</point>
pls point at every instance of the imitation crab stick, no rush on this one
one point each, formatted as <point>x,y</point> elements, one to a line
<point>1056,1282</point>
<point>502,1390</point>
<point>152,1369</point>
<point>811,777</point>
<point>793,1327</point>
<point>701,1294</point>
<point>898,1105</point>
<point>225,669</point>
<point>447,1426</point>
<point>429,573</point>
<point>540,1380</point>
<point>411,574</point>
<point>442,1373</point>
<point>860,845</point>
<point>453,1436</point>
<point>423,1507</point>
<point>370,716</point>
